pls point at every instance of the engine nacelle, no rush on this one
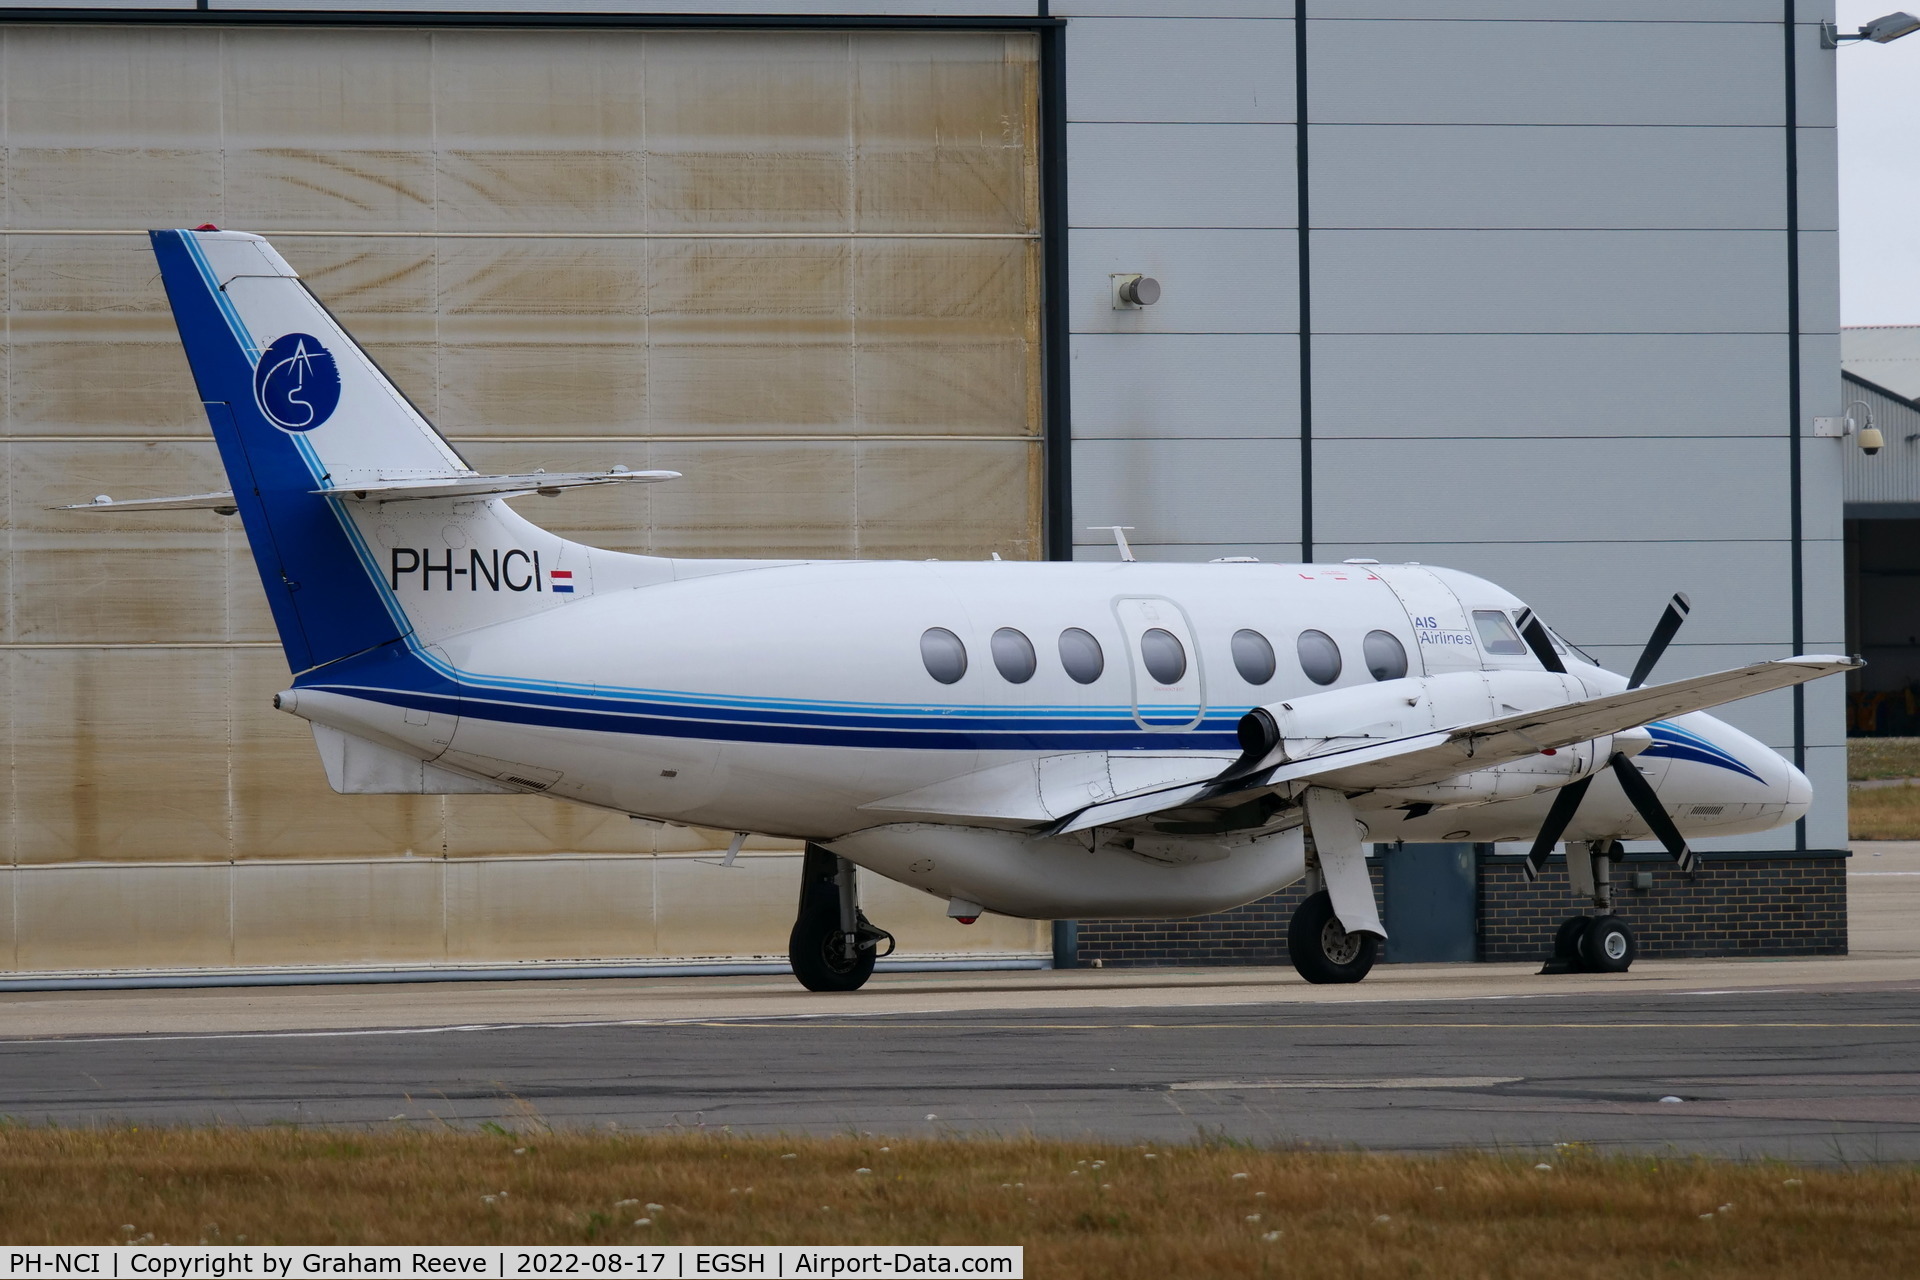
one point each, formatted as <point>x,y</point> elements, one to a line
<point>1281,732</point>
<point>1301,728</point>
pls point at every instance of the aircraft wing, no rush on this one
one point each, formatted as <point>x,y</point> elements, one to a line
<point>1430,757</point>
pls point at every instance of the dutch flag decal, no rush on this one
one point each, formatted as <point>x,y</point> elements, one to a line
<point>561,581</point>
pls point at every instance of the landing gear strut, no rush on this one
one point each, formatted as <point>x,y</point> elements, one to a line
<point>1598,943</point>
<point>833,944</point>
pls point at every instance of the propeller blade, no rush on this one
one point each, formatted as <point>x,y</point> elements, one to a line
<point>1565,804</point>
<point>1534,632</point>
<point>1677,610</point>
<point>1647,804</point>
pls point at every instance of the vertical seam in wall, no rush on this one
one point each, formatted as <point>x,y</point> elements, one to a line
<point>1303,237</point>
<point>1056,501</point>
<point>1795,518</point>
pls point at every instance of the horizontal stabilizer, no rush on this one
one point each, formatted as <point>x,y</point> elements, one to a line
<point>466,485</point>
<point>221,502</point>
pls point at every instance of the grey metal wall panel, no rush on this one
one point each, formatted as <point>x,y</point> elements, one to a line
<point>1199,386</point>
<point>1697,384</point>
<point>1820,282</point>
<point>1400,490</point>
<point>1178,175</point>
<point>1199,491</point>
<point>1478,176</point>
<point>1600,591</point>
<point>1555,10</point>
<point>1158,9</point>
<point>1397,72</point>
<point>1214,281</point>
<point>1815,70</point>
<point>1819,193</point>
<point>1224,71</point>
<point>1090,546</point>
<point>1548,281</point>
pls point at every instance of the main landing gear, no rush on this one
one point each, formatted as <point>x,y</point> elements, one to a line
<point>1321,949</point>
<point>1599,943</point>
<point>833,944</point>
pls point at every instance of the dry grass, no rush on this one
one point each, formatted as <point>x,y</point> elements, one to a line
<point>1082,1209</point>
<point>1882,758</point>
<point>1883,813</point>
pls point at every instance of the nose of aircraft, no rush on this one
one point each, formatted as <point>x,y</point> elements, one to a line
<point>1749,771</point>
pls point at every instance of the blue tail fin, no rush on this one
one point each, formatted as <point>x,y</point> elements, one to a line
<point>273,368</point>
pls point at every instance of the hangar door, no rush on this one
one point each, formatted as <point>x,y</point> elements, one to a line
<point>801,268</point>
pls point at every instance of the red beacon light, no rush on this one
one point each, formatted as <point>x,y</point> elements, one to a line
<point>206,226</point>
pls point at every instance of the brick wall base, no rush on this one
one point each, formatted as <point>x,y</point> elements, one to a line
<point>1757,905</point>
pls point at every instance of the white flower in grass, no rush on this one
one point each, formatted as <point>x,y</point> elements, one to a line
<point>643,1222</point>
<point>1239,1177</point>
<point>1271,1236</point>
<point>1543,1168</point>
<point>1385,1217</point>
<point>621,1204</point>
<point>863,1171</point>
<point>655,1208</point>
<point>1253,1217</point>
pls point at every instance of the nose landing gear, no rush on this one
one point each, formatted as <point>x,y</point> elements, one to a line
<point>1593,944</point>
<point>833,945</point>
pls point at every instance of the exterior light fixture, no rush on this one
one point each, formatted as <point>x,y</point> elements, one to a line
<point>1881,31</point>
<point>1132,291</point>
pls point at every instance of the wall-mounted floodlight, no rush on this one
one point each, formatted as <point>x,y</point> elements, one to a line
<point>1881,31</point>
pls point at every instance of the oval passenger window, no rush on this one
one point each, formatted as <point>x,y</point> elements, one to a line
<point>1165,656</point>
<point>1386,656</point>
<point>1013,655</point>
<point>1080,654</point>
<point>945,656</point>
<point>1253,657</point>
<point>1319,657</point>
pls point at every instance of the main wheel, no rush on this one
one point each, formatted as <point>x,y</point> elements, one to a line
<point>1323,951</point>
<point>1566,941</point>
<point>818,951</point>
<point>1608,946</point>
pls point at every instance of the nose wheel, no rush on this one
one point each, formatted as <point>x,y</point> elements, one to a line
<point>1593,944</point>
<point>833,945</point>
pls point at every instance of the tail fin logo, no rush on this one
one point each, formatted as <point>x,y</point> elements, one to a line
<point>296,383</point>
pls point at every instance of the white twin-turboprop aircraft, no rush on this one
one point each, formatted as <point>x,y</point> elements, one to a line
<point>1040,740</point>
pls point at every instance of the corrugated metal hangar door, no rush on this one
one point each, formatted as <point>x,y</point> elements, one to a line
<point>801,268</point>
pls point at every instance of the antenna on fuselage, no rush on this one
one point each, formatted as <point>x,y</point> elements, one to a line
<point>1119,532</point>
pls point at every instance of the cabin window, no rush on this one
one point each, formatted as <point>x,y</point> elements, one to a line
<point>1013,655</point>
<point>1319,656</point>
<point>1164,655</point>
<point>1253,657</point>
<point>1496,633</point>
<point>945,656</point>
<point>1080,654</point>
<point>1386,656</point>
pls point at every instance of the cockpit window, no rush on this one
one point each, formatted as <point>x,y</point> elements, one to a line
<point>1497,635</point>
